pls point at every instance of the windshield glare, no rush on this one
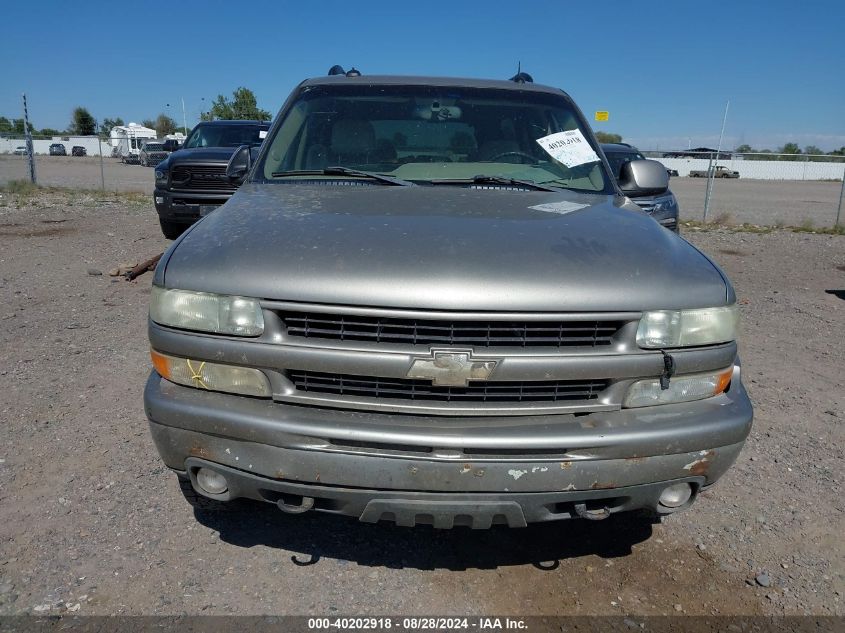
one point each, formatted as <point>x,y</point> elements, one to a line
<point>425,133</point>
<point>224,136</point>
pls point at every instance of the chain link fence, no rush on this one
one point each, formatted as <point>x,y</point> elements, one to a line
<point>77,162</point>
<point>761,188</point>
<point>757,188</point>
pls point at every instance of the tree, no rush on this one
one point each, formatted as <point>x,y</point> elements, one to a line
<point>812,149</point>
<point>608,137</point>
<point>242,106</point>
<point>48,131</point>
<point>745,148</point>
<point>164,125</point>
<point>18,126</point>
<point>148,123</point>
<point>789,148</point>
<point>82,123</point>
<point>5,125</point>
<point>107,125</point>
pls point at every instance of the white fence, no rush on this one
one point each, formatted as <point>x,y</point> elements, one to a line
<point>8,144</point>
<point>761,169</point>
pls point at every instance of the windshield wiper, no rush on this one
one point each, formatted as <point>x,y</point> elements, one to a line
<point>493,180</point>
<point>344,171</point>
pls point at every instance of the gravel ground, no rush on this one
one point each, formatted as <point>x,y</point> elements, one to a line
<point>767,202</point>
<point>92,523</point>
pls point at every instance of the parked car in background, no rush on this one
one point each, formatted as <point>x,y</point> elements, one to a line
<point>58,149</point>
<point>20,150</point>
<point>192,182</point>
<point>430,302</point>
<point>152,153</point>
<point>172,145</point>
<point>719,171</point>
<point>662,207</point>
<point>78,150</point>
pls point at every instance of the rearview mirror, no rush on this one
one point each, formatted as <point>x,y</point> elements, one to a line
<point>643,178</point>
<point>239,164</point>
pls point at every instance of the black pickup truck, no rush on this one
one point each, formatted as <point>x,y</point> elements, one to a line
<point>192,182</point>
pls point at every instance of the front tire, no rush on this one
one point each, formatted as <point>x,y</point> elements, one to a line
<point>172,230</point>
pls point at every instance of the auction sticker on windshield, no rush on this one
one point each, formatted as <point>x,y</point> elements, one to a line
<point>569,147</point>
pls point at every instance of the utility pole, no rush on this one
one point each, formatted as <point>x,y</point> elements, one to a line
<point>712,169</point>
<point>28,135</point>
<point>100,145</point>
<point>184,118</point>
<point>841,195</point>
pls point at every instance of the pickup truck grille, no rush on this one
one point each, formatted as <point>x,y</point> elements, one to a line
<point>437,332</point>
<point>200,178</point>
<point>477,391</point>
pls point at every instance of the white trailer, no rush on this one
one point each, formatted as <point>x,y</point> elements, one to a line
<point>126,141</point>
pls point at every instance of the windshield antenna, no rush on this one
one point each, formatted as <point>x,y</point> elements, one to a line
<point>521,77</point>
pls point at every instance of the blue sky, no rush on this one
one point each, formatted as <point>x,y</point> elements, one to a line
<point>781,64</point>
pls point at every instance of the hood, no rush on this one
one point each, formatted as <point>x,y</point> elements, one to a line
<point>203,154</point>
<point>446,248</point>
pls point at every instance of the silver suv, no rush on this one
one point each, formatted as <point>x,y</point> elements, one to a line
<point>662,207</point>
<point>430,302</point>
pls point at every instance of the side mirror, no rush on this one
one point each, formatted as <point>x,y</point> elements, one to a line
<point>643,178</point>
<point>239,164</point>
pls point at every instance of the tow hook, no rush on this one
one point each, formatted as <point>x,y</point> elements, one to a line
<point>668,370</point>
<point>305,506</point>
<point>591,515</point>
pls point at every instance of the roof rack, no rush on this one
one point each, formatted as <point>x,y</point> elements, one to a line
<point>337,69</point>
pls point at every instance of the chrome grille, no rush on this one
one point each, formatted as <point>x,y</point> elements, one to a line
<point>477,391</point>
<point>342,327</point>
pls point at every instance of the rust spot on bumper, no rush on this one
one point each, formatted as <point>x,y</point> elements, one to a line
<point>565,465</point>
<point>201,452</point>
<point>700,466</point>
<point>602,486</point>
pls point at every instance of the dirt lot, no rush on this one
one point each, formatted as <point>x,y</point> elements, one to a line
<point>767,202</point>
<point>80,172</point>
<point>92,523</point>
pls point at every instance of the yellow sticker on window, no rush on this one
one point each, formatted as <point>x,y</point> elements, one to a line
<point>602,115</point>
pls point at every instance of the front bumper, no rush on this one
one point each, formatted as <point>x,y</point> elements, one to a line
<point>186,206</point>
<point>446,471</point>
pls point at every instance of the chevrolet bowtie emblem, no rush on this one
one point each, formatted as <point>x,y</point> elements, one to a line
<point>451,368</point>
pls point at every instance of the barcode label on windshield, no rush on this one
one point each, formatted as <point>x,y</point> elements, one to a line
<point>569,147</point>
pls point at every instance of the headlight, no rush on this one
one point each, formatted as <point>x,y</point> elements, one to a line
<point>666,204</point>
<point>646,393</point>
<point>683,328</point>
<point>211,376</point>
<point>206,312</point>
<point>161,175</point>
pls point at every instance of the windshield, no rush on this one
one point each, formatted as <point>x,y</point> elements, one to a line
<point>432,133</point>
<point>224,135</point>
<point>617,159</point>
